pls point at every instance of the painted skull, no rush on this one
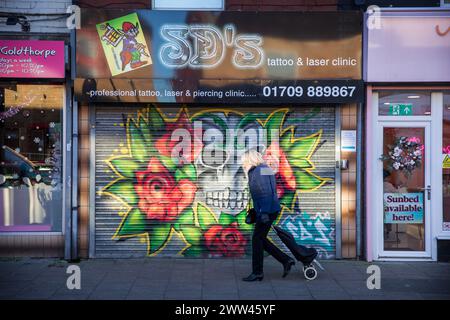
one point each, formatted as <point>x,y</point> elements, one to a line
<point>222,183</point>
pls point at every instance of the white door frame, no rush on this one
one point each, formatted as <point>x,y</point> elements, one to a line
<point>409,122</point>
<point>434,224</point>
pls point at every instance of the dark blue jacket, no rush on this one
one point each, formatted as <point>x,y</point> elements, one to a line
<point>263,189</point>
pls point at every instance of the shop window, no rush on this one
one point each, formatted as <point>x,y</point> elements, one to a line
<point>404,103</point>
<point>404,229</point>
<point>446,162</point>
<point>31,158</point>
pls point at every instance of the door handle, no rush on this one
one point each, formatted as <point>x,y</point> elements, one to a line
<point>342,164</point>
<point>428,190</point>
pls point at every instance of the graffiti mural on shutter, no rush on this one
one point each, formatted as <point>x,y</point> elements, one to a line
<point>193,204</point>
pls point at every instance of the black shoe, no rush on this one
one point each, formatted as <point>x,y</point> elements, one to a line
<point>254,277</point>
<point>287,267</point>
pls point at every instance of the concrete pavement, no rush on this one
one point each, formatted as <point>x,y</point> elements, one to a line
<point>217,279</point>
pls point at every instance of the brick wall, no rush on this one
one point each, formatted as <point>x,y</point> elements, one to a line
<point>51,22</point>
<point>83,174</point>
<point>348,187</point>
<point>44,18</point>
<point>281,5</point>
<point>248,5</point>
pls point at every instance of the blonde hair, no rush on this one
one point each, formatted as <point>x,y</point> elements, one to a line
<point>252,158</point>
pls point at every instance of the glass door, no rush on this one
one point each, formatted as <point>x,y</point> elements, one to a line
<point>406,190</point>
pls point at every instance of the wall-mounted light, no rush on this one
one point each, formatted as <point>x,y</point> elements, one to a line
<point>413,97</point>
<point>12,21</point>
<point>22,20</point>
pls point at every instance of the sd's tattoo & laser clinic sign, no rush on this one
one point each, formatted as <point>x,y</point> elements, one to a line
<point>204,52</point>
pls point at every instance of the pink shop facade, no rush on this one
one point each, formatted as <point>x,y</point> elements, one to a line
<point>406,70</point>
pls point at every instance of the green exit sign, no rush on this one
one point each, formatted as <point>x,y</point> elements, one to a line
<point>400,109</point>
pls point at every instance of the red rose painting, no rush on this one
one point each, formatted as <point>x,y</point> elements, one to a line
<point>160,196</point>
<point>225,240</point>
<point>165,145</point>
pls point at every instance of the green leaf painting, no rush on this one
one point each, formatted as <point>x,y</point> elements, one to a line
<point>138,144</point>
<point>124,190</point>
<point>205,217</point>
<point>158,237</point>
<point>134,223</point>
<point>191,234</point>
<point>186,172</point>
<point>125,166</point>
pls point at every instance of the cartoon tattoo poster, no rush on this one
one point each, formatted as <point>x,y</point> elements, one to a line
<point>124,44</point>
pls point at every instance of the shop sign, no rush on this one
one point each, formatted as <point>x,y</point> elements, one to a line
<point>244,56</point>
<point>218,91</point>
<point>32,59</point>
<point>446,162</point>
<point>412,47</point>
<point>398,109</point>
<point>403,208</point>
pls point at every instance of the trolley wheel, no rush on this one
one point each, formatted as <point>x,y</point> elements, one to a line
<point>310,273</point>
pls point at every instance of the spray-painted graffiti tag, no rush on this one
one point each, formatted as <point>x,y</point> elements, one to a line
<point>316,230</point>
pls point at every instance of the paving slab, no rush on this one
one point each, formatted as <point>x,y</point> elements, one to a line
<point>219,279</point>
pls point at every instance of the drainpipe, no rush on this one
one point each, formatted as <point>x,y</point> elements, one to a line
<point>73,255</point>
<point>359,178</point>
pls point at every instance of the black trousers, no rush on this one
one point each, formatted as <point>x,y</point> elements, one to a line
<point>261,243</point>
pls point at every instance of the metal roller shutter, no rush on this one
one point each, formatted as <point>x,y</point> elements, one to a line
<point>146,203</point>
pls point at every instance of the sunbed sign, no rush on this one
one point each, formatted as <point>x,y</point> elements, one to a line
<point>403,208</point>
<point>220,46</point>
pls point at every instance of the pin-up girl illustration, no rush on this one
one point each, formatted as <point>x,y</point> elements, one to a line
<point>132,50</point>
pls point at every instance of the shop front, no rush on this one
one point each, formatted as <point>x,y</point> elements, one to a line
<point>32,139</point>
<point>407,136</point>
<point>169,101</point>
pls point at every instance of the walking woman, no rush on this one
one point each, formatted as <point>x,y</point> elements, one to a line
<point>263,190</point>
